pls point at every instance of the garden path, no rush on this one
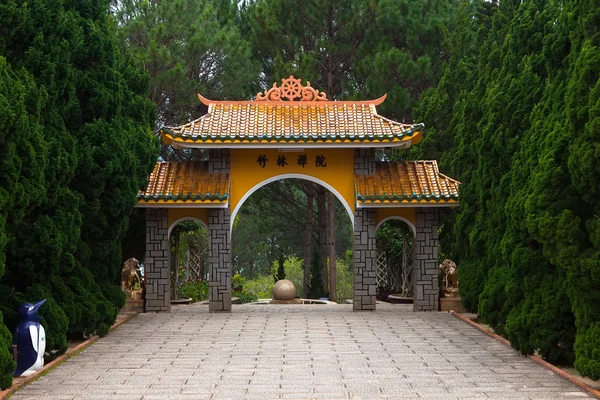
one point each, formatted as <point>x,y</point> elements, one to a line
<point>298,352</point>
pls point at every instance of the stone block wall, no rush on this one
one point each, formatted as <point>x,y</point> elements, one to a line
<point>364,161</point>
<point>156,264</point>
<point>365,257</point>
<point>425,261</point>
<point>219,160</point>
<point>219,260</point>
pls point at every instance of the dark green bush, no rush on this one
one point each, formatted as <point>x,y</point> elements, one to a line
<point>244,296</point>
<point>316,290</point>
<point>103,329</point>
<point>196,290</point>
<point>79,149</point>
<point>587,345</point>
<point>7,365</point>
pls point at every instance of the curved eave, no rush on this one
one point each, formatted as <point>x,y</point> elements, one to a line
<point>407,203</point>
<point>208,102</point>
<point>167,203</point>
<point>408,138</point>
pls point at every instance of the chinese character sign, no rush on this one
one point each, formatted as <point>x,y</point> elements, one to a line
<point>302,160</point>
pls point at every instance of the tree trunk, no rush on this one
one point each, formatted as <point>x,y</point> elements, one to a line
<point>331,237</point>
<point>322,224</point>
<point>308,236</point>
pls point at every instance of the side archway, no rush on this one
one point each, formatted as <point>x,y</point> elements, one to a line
<point>412,227</point>
<point>174,223</point>
<point>265,182</point>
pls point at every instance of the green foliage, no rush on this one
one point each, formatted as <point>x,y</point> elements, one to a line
<point>280,273</point>
<point>195,290</point>
<point>587,346</point>
<point>77,147</point>
<point>261,286</point>
<point>266,227</point>
<point>516,117</point>
<point>316,290</point>
<point>294,272</point>
<point>344,287</point>
<point>187,47</point>
<point>245,296</point>
<point>238,282</point>
<point>7,365</point>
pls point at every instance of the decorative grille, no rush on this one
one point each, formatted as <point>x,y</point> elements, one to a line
<point>382,278</point>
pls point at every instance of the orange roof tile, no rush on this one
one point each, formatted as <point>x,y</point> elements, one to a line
<point>311,120</point>
<point>406,181</point>
<point>185,181</point>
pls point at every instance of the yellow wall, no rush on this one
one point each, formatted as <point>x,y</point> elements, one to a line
<point>409,213</point>
<point>247,173</point>
<point>176,213</point>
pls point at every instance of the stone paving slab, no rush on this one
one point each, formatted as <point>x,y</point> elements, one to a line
<point>298,352</point>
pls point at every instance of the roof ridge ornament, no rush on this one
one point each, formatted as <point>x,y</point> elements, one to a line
<point>291,89</point>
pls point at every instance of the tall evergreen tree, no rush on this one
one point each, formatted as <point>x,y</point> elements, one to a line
<point>72,175</point>
<point>525,131</point>
<point>187,47</point>
<point>23,153</point>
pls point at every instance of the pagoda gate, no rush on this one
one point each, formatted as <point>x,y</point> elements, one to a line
<point>293,131</point>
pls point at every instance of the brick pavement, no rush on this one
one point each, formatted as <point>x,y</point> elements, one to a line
<point>298,352</point>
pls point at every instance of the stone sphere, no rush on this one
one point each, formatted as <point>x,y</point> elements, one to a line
<point>284,290</point>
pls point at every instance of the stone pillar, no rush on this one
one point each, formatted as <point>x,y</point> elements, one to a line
<point>425,261</point>
<point>219,160</point>
<point>365,257</point>
<point>219,260</point>
<point>156,264</point>
<point>364,161</point>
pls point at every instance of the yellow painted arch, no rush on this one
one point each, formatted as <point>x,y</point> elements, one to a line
<point>247,175</point>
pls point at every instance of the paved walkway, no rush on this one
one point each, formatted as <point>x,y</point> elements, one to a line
<point>298,352</point>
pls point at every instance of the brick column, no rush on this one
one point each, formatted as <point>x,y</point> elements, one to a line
<point>156,264</point>
<point>364,161</point>
<point>425,261</point>
<point>365,256</point>
<point>219,260</point>
<point>219,160</point>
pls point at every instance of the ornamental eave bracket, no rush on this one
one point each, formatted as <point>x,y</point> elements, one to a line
<point>291,89</point>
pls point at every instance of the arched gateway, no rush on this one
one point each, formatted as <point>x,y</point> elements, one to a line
<point>294,131</point>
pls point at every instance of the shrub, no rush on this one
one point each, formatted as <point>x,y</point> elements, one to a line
<point>261,286</point>
<point>7,365</point>
<point>587,346</point>
<point>196,290</point>
<point>244,296</point>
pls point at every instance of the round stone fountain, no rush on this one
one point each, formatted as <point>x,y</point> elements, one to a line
<point>284,292</point>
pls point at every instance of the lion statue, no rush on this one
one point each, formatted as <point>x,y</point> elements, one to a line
<point>449,276</point>
<point>130,277</point>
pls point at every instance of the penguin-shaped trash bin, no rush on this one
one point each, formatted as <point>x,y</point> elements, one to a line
<point>30,339</point>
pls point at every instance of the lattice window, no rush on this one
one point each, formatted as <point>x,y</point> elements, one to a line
<point>382,277</point>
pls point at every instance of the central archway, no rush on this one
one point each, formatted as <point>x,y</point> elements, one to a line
<point>265,182</point>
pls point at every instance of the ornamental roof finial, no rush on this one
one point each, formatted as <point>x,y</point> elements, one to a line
<point>291,89</point>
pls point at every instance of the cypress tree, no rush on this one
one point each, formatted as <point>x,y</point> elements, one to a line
<point>23,155</point>
<point>525,132</point>
<point>280,274</point>
<point>316,290</point>
<point>81,149</point>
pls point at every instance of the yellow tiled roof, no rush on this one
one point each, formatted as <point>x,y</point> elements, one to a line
<point>406,181</point>
<point>293,123</point>
<point>185,181</point>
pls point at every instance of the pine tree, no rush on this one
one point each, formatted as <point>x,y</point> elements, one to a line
<point>316,290</point>
<point>280,274</point>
